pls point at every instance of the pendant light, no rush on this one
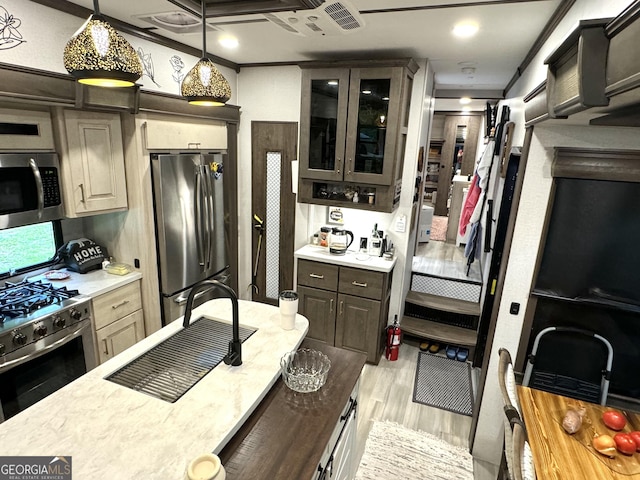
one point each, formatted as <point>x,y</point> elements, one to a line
<point>204,84</point>
<point>98,55</point>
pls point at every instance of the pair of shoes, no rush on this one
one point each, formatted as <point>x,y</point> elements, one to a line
<point>435,347</point>
<point>452,351</point>
<point>462,355</point>
<point>424,346</point>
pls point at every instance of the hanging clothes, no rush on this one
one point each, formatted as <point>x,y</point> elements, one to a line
<point>475,199</point>
<point>474,245</point>
<point>470,203</point>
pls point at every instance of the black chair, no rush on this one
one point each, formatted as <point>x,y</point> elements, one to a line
<point>572,362</point>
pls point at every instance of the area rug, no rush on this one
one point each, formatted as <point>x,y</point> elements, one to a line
<point>439,228</point>
<point>443,383</point>
<point>395,452</point>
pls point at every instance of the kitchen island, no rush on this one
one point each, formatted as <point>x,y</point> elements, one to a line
<point>111,431</point>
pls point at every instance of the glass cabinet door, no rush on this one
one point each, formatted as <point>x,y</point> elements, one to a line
<point>323,122</point>
<point>374,104</point>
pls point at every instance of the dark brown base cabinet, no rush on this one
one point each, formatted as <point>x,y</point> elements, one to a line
<point>346,307</point>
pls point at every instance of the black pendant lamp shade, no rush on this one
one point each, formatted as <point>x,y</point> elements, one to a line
<point>98,55</point>
<point>204,84</point>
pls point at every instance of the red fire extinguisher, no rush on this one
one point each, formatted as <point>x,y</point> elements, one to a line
<point>393,340</point>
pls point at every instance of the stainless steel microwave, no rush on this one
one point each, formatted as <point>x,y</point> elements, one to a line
<point>29,189</point>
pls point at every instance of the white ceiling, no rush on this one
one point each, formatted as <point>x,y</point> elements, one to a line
<point>507,32</point>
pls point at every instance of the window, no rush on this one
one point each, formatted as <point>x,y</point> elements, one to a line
<point>28,247</point>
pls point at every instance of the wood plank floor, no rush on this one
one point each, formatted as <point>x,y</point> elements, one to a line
<point>445,260</point>
<point>386,393</point>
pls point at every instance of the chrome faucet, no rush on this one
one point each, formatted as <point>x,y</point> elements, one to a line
<point>234,356</point>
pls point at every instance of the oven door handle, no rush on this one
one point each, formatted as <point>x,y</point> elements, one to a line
<point>30,356</point>
<point>38,179</point>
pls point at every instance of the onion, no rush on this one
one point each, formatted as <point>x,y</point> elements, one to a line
<point>605,445</point>
<point>573,420</point>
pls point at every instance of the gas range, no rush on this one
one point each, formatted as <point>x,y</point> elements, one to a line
<point>34,313</point>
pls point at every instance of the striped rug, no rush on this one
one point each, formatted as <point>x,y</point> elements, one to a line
<point>394,452</point>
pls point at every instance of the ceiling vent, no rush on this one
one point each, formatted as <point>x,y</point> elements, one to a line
<point>332,18</point>
<point>230,8</point>
<point>340,14</point>
<point>176,22</point>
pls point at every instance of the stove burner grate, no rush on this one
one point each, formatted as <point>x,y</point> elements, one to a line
<point>23,298</point>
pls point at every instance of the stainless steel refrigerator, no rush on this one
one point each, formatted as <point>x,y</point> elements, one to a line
<point>190,226</point>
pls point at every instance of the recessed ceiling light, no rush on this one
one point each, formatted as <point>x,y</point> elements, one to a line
<point>465,29</point>
<point>332,82</point>
<point>366,92</point>
<point>228,42</point>
<point>385,98</point>
<point>464,101</point>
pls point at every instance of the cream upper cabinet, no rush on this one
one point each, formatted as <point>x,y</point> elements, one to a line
<point>184,133</point>
<point>92,162</point>
<point>26,130</point>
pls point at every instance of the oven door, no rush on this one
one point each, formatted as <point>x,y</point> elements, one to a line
<point>35,375</point>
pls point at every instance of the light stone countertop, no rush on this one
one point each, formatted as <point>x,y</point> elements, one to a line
<point>111,431</point>
<point>92,283</point>
<point>349,259</point>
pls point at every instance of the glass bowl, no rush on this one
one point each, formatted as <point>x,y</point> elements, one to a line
<point>305,370</point>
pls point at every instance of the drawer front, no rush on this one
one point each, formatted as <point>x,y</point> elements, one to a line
<point>361,283</point>
<point>318,275</point>
<point>119,303</point>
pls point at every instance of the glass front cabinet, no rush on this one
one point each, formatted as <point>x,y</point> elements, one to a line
<point>353,128</point>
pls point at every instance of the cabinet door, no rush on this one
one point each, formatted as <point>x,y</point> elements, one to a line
<point>120,335</point>
<point>357,325</point>
<point>375,100</point>
<point>110,306</point>
<point>323,119</point>
<point>184,133</point>
<point>94,161</point>
<point>344,453</point>
<point>319,308</point>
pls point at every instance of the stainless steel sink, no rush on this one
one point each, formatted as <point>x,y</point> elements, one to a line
<point>172,367</point>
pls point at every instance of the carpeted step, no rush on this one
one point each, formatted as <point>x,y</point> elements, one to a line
<point>460,289</point>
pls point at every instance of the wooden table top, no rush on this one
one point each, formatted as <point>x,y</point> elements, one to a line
<point>560,456</point>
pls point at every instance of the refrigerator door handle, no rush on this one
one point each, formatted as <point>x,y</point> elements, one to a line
<point>210,213</point>
<point>200,214</point>
<point>182,299</point>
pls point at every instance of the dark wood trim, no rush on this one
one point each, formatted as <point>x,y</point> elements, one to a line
<point>84,13</point>
<point>597,164</point>
<point>551,25</point>
<point>508,242</point>
<point>406,62</point>
<point>442,6</point>
<point>41,87</point>
<point>622,21</point>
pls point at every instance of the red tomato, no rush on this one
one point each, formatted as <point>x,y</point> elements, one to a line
<point>636,438</point>
<point>614,419</point>
<point>624,443</point>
